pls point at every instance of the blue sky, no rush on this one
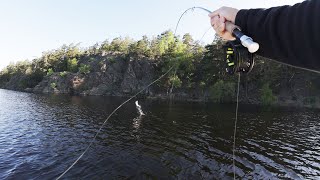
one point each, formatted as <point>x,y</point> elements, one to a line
<point>29,27</point>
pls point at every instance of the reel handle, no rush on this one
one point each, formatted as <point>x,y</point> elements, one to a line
<point>245,40</point>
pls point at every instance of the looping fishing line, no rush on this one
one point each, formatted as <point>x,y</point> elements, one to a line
<point>115,110</point>
<point>237,102</point>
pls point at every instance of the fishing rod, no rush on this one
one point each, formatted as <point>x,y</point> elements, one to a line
<point>245,40</point>
<point>239,54</point>
<point>238,57</point>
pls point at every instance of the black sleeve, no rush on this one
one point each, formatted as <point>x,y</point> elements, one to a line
<point>289,34</point>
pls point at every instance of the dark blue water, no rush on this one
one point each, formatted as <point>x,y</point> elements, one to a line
<point>40,136</point>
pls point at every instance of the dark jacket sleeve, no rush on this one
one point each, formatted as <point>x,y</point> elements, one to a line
<point>289,34</point>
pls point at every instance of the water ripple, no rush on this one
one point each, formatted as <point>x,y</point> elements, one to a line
<point>40,136</point>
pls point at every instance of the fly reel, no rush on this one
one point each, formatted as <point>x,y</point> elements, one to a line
<point>238,59</point>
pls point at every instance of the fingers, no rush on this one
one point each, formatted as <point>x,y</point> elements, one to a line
<point>218,24</point>
<point>222,19</point>
<point>222,27</point>
<point>227,13</point>
<point>214,13</point>
<point>222,24</point>
<point>215,21</point>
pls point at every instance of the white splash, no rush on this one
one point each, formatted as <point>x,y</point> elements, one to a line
<point>139,108</point>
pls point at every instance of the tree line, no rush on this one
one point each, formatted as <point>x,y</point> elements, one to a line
<point>196,67</point>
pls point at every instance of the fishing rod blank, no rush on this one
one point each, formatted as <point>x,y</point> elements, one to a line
<point>245,40</point>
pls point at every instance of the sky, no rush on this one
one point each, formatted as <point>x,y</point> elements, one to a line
<point>30,27</point>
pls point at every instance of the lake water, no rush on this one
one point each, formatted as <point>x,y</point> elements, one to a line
<point>41,135</point>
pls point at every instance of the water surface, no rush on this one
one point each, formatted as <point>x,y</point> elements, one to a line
<point>40,136</point>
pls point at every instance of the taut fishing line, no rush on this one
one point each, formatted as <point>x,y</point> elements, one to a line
<point>125,102</point>
<point>235,130</point>
<point>205,33</point>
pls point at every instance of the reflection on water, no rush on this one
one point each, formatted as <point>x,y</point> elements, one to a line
<point>40,136</point>
<point>136,126</point>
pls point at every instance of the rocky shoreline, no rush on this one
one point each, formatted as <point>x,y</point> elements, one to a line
<point>124,79</point>
<point>124,74</point>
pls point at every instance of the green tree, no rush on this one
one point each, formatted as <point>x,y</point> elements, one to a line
<point>267,97</point>
<point>140,47</point>
<point>105,46</point>
<point>187,39</point>
<point>222,91</point>
<point>161,44</point>
<point>120,45</point>
<point>175,81</point>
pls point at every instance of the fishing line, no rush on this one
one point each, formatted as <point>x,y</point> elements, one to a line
<point>163,75</point>
<point>115,110</point>
<point>296,67</point>
<point>235,130</point>
<point>186,11</point>
<point>253,47</point>
<point>205,33</point>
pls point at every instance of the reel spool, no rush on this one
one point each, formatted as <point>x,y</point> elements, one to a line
<point>237,57</point>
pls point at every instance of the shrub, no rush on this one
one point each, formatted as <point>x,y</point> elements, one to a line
<point>29,71</point>
<point>85,69</point>
<point>73,65</point>
<point>222,91</point>
<point>310,101</point>
<point>175,81</point>
<point>202,85</point>
<point>91,59</point>
<point>267,97</point>
<point>53,85</point>
<point>112,60</point>
<point>63,74</point>
<point>50,72</point>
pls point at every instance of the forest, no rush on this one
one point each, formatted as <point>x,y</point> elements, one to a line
<point>198,72</point>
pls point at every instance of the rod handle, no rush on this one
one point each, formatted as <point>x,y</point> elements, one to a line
<point>246,41</point>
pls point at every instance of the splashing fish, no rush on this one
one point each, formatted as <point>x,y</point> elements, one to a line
<point>139,108</point>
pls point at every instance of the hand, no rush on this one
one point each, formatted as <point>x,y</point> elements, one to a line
<point>219,19</point>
